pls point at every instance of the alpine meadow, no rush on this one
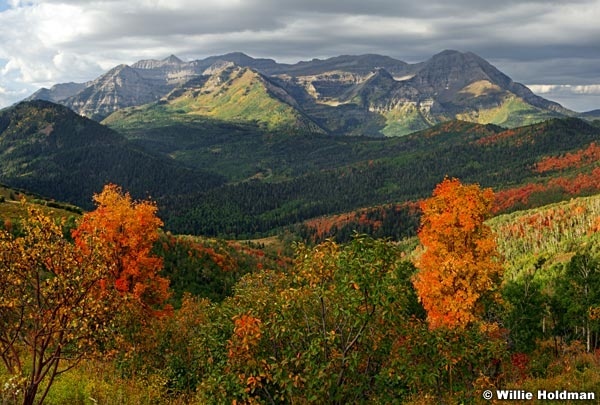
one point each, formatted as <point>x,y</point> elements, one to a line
<point>354,229</point>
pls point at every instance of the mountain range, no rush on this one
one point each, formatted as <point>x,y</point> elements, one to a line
<point>369,95</point>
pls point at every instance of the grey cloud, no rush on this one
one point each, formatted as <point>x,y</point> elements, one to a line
<point>403,8</point>
<point>160,24</point>
<point>465,24</point>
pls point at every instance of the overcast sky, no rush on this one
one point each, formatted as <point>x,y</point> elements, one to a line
<point>551,46</point>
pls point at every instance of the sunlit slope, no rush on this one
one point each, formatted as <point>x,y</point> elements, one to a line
<point>234,94</point>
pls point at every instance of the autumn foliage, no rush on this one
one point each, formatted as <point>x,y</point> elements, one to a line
<point>126,232</point>
<point>50,316</point>
<point>583,183</point>
<point>575,159</point>
<point>339,323</point>
<point>460,265</point>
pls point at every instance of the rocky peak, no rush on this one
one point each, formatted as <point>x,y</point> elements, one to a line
<point>150,64</point>
<point>120,76</point>
<point>238,58</point>
<point>268,66</point>
<point>446,74</point>
<point>451,70</point>
<point>118,70</point>
<point>173,60</point>
<point>58,92</point>
<point>120,87</point>
<point>381,76</point>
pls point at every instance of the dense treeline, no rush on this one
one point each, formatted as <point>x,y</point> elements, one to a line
<point>396,221</point>
<point>406,170</point>
<point>210,268</point>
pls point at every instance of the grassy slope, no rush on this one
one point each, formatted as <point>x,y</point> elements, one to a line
<point>405,120</point>
<point>513,112</point>
<point>13,209</point>
<point>244,97</point>
<point>551,233</point>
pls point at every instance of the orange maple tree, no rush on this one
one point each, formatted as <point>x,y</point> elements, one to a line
<point>125,231</point>
<point>460,265</point>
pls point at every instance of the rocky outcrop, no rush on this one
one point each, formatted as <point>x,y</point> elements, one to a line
<point>121,87</point>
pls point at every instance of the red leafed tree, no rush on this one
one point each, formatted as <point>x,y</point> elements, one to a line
<point>125,231</point>
<point>460,266</point>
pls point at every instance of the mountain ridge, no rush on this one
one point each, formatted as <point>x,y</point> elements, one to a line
<point>415,96</point>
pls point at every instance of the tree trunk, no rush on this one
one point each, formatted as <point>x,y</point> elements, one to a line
<point>30,393</point>
<point>588,336</point>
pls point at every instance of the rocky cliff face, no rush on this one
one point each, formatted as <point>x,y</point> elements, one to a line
<point>121,87</point>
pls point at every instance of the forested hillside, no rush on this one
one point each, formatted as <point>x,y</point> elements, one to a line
<point>47,149</point>
<point>359,173</point>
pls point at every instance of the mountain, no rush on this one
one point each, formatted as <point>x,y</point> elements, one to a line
<point>121,87</point>
<point>48,149</point>
<point>58,92</point>
<point>450,85</point>
<point>229,93</point>
<point>138,84</point>
<point>590,115</point>
<point>346,95</point>
<point>450,73</point>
